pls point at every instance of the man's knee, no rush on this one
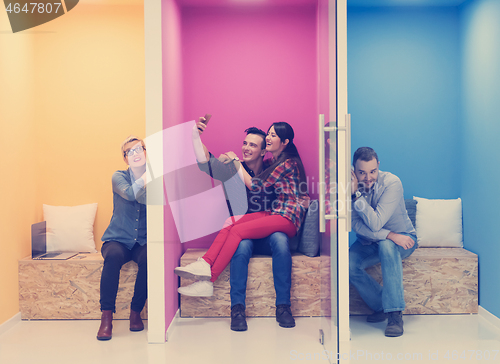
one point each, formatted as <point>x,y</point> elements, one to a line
<point>279,242</point>
<point>354,263</point>
<point>245,249</point>
<point>387,247</point>
<point>353,266</point>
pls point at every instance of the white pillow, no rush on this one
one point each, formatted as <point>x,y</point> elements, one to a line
<point>439,223</point>
<point>70,228</point>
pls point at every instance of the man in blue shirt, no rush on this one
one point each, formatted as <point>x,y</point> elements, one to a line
<point>125,238</point>
<point>384,233</point>
<point>240,201</point>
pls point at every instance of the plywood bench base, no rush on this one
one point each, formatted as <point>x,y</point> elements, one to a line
<point>261,296</point>
<point>69,289</point>
<point>435,280</point>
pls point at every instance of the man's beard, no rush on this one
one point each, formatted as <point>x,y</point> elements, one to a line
<point>363,188</point>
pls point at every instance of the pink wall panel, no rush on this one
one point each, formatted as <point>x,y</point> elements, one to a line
<point>251,67</point>
<point>247,66</point>
<point>324,62</point>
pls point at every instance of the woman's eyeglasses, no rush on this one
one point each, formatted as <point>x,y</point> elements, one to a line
<point>137,150</point>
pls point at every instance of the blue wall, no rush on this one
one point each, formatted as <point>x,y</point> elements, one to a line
<point>480,170</point>
<point>424,92</point>
<point>404,94</point>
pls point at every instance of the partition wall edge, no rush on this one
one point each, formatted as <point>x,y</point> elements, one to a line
<point>154,125</point>
<point>343,167</point>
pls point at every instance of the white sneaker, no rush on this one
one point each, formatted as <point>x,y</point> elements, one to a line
<point>198,289</point>
<point>199,270</point>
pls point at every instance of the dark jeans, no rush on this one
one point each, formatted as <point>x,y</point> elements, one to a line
<point>276,245</point>
<point>115,255</point>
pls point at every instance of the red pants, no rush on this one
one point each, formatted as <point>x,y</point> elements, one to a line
<point>256,225</point>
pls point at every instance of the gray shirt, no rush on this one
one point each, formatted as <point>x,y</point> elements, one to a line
<point>240,199</point>
<point>382,210</point>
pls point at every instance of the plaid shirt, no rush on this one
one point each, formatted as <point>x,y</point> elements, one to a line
<point>285,182</point>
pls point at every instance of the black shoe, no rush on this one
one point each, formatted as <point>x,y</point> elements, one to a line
<point>238,318</point>
<point>284,316</point>
<point>395,325</point>
<point>378,316</point>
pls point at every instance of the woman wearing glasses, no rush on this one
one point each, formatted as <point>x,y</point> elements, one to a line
<point>125,238</point>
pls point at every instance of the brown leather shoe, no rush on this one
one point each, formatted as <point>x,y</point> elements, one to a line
<point>136,321</point>
<point>104,332</point>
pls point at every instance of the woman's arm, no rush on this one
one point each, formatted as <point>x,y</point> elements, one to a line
<point>124,188</point>
<point>284,178</point>
<point>278,174</point>
<point>139,186</point>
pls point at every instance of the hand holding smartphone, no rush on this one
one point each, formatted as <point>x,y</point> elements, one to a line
<point>207,118</point>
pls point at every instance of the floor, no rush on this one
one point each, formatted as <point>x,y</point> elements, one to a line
<point>427,339</point>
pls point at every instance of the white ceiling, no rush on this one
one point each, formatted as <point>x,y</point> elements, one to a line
<point>367,3</point>
<point>374,3</point>
<point>244,2</point>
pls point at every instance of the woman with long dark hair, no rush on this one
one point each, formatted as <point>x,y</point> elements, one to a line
<point>286,177</point>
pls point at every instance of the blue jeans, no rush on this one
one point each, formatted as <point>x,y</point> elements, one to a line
<point>390,296</point>
<point>275,245</point>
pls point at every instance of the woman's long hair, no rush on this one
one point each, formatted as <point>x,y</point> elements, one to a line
<point>285,131</point>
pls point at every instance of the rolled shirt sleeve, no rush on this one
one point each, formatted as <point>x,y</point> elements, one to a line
<point>217,169</point>
<point>359,226</point>
<point>130,190</point>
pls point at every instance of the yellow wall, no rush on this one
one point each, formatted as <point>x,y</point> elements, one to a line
<point>70,91</point>
<point>17,164</point>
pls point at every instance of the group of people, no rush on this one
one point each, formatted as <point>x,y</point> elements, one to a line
<point>262,222</point>
<point>276,200</point>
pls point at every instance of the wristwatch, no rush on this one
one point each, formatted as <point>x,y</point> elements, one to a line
<point>356,195</point>
<point>236,159</point>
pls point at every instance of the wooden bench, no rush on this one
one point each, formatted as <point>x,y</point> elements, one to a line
<point>69,289</point>
<point>436,281</point>
<point>261,296</point>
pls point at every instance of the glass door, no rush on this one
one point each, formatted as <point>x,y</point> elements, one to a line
<point>334,159</point>
<point>329,332</point>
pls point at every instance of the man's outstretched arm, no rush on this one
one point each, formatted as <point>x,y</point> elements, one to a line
<point>200,150</point>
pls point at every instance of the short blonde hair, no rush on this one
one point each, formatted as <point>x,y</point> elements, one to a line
<point>130,139</point>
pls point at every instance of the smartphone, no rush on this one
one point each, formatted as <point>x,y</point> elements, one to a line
<point>207,118</point>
